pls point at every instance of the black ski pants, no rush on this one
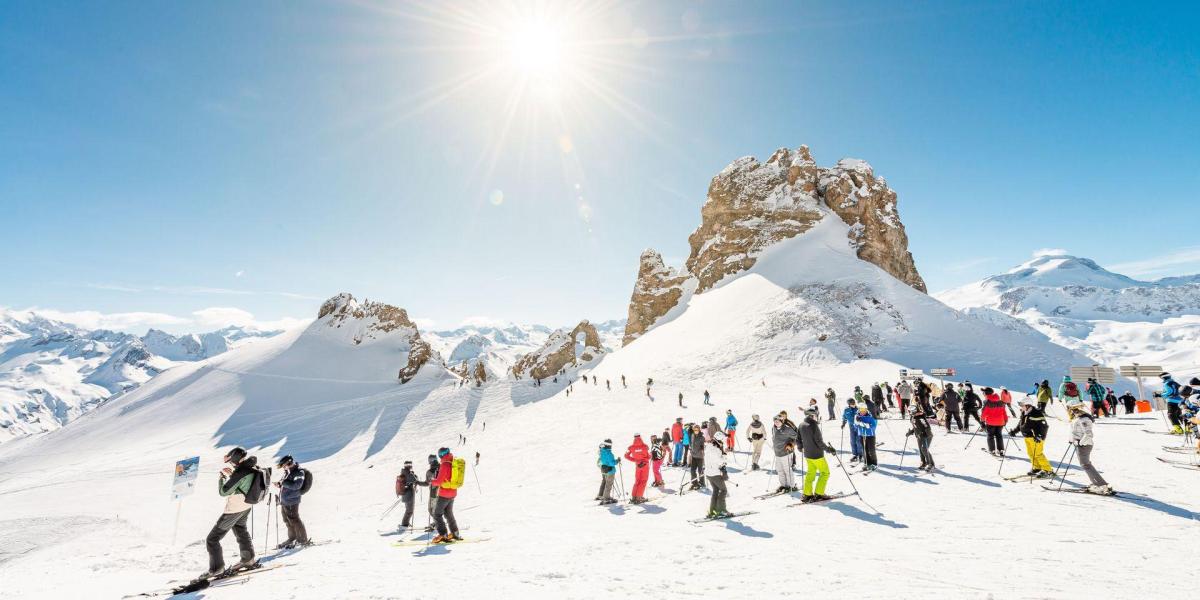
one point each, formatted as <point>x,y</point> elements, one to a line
<point>719,492</point>
<point>696,470</point>
<point>957,419</point>
<point>236,522</point>
<point>1174,414</point>
<point>967,414</point>
<point>443,515</point>
<point>868,443</point>
<point>995,435</point>
<point>295,527</point>
<point>923,448</point>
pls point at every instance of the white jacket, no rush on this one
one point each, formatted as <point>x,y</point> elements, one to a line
<point>714,459</point>
<point>905,390</point>
<point>1081,431</point>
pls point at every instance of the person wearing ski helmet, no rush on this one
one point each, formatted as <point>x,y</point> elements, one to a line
<point>656,459</point>
<point>430,475</point>
<point>924,434</point>
<point>443,510</point>
<point>608,469</point>
<point>406,487</point>
<point>1171,393</point>
<point>816,468</point>
<point>994,420</point>
<point>714,470</point>
<point>290,486</point>
<point>1033,428</point>
<point>233,484</point>
<point>757,434</point>
<point>953,403</point>
<point>1083,436</point>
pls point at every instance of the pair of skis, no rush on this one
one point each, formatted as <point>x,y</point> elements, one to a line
<point>754,512</point>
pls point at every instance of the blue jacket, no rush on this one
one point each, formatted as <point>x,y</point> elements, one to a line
<point>1096,391</point>
<point>289,486</point>
<point>848,417</point>
<point>687,436</point>
<point>1170,391</point>
<point>865,424</point>
<point>730,422</point>
<point>607,461</point>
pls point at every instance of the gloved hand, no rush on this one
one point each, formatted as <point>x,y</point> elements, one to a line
<point>908,433</point>
<point>1012,432</point>
<point>830,448</point>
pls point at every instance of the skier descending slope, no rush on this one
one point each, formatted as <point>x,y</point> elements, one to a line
<point>448,480</point>
<point>865,423</point>
<point>608,469</point>
<point>731,424</point>
<point>714,470</point>
<point>994,420</point>
<point>848,415</point>
<point>1082,437</point>
<point>783,442</point>
<point>406,488</point>
<point>1034,428</point>
<point>816,467</point>
<point>757,434</point>
<point>639,454</point>
<point>924,433</point>
<point>234,484</point>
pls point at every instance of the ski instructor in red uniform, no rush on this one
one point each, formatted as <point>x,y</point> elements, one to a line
<point>639,454</point>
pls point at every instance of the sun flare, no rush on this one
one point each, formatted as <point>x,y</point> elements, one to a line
<point>537,49</point>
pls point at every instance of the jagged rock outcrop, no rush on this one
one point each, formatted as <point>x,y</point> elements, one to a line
<point>752,205</point>
<point>368,321</point>
<point>658,288</point>
<point>562,349</point>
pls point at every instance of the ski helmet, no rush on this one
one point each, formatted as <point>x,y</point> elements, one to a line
<point>285,461</point>
<point>442,452</point>
<point>1194,382</point>
<point>236,455</point>
<point>810,411</point>
<point>718,436</point>
<point>408,463</point>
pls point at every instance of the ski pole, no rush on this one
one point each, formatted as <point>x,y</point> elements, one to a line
<point>842,439</point>
<point>278,510</point>
<point>391,508</point>
<point>903,452</point>
<point>973,434</point>
<point>1064,477</point>
<point>681,480</point>
<point>621,471</point>
<point>267,529</point>
<point>851,480</point>
<point>889,430</point>
<point>1060,463</point>
<point>1005,457</point>
<point>477,486</point>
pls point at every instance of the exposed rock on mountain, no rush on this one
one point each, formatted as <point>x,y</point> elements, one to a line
<point>562,349</point>
<point>375,321</point>
<point>658,288</point>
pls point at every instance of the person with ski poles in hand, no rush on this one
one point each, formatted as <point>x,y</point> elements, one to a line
<point>814,446</point>
<point>443,511</point>
<point>608,470</point>
<point>865,422</point>
<point>639,454</point>
<point>924,433</point>
<point>731,424</point>
<point>1033,428</point>
<point>406,487</point>
<point>714,470</point>
<point>856,450</point>
<point>1082,433</point>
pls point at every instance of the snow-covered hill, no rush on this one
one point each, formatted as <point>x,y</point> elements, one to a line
<point>1112,318</point>
<point>51,372</point>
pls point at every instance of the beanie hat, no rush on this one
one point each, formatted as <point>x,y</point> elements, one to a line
<point>408,463</point>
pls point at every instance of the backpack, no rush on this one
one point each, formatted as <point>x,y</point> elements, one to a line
<point>307,485</point>
<point>1071,389</point>
<point>258,485</point>
<point>458,471</point>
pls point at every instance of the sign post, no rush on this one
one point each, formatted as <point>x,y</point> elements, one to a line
<point>942,374</point>
<point>1102,375</point>
<point>184,484</point>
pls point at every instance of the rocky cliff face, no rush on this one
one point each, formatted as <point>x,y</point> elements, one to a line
<point>562,349</point>
<point>368,321</point>
<point>752,205</point>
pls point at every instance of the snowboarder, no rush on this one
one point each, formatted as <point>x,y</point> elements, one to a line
<point>696,452</point>
<point>1170,392</point>
<point>656,460</point>
<point>815,466</point>
<point>443,510</point>
<point>924,434</point>
<point>865,423</point>
<point>731,424</point>
<point>971,404</point>
<point>905,391</point>
<point>406,487</point>
<point>1129,401</point>
<point>952,401</point>
<point>291,487</point>
<point>783,442</point>
<point>677,438</point>
<point>714,470</point>
<point>757,434</point>
<point>831,400</point>
<point>1082,436</point>
<point>233,484</point>
<point>639,454</point>
<point>1033,428</point>
<point>994,420</point>
<point>608,469</point>
<point>851,410</point>
<point>706,398</point>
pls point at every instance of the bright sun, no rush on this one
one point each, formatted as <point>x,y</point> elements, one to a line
<point>537,49</point>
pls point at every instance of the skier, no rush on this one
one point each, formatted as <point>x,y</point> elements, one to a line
<point>971,404</point>
<point>924,433</point>
<point>921,391</point>
<point>680,398</point>
<point>477,458</point>
<point>1170,391</point>
<point>1006,398</point>
<point>887,394</point>
<point>865,423</point>
<point>696,452</point>
<point>815,465</point>
<point>639,455</point>
<point>1068,394</point>
<point>608,469</point>
<point>677,438</point>
<point>1110,399</point>
<point>812,403</point>
<point>951,400</point>
<point>1129,401</point>
<point>877,400</point>
<point>856,450</point>
<point>233,484</point>
<point>430,475</point>
<point>905,390</point>
<point>706,398</point>
<point>731,424</point>
<point>831,400</point>
<point>656,459</point>
<point>1082,437</point>
<point>290,486</point>
<point>1033,428</point>
<point>623,382</point>
<point>783,442</point>
<point>443,510</point>
<point>994,419</point>
<point>757,434</point>
<point>687,445</point>
<point>608,385</point>
<point>1096,394</point>
<point>406,487</point>
<point>1044,396</point>
<point>714,470</point>
<point>858,395</point>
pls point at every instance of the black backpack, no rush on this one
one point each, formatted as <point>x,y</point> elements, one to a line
<point>258,485</point>
<point>307,485</point>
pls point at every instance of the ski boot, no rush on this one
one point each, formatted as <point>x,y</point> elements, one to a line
<point>754,467</point>
<point>1034,472</point>
<point>1103,490</point>
<point>807,498</point>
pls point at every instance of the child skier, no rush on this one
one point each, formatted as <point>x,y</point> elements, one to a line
<point>656,459</point>
<point>714,470</point>
<point>1033,427</point>
<point>865,423</point>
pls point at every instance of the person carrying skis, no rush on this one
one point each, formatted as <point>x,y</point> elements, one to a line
<point>952,401</point>
<point>865,422</point>
<point>971,404</point>
<point>1082,435</point>
<point>406,487</point>
<point>608,470</point>
<point>443,510</point>
<point>1170,392</point>
<point>1096,394</point>
<point>696,452</point>
<point>1044,396</point>
<point>924,433</point>
<point>233,484</point>
<point>757,434</point>
<point>731,424</point>
<point>678,438</point>
<point>714,470</point>
<point>1033,428</point>
<point>783,442</point>
<point>831,401</point>
<point>1006,398</point>
<point>639,454</point>
<point>994,420</point>
<point>851,411</point>
<point>656,459</point>
<point>905,391</point>
<point>814,447</point>
<point>1129,401</point>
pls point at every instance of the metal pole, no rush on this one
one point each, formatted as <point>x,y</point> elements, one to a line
<point>903,452</point>
<point>1005,457</point>
<point>1064,477</point>
<point>973,434</point>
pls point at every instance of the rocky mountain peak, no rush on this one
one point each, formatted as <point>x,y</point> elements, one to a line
<point>562,349</point>
<point>369,321</point>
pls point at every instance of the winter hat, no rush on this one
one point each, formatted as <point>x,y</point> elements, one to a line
<point>949,386</point>
<point>755,417</point>
<point>718,436</point>
<point>432,458</point>
<point>1164,375</point>
<point>850,401</point>
<point>408,463</point>
<point>606,444</point>
<point>1078,406</point>
<point>1066,377</point>
<point>1026,401</point>
<point>236,455</point>
<point>1194,382</point>
<point>988,391</point>
<point>285,461</point>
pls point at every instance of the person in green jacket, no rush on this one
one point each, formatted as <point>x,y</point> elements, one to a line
<point>233,485</point>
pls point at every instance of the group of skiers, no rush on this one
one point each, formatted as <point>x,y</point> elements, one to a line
<point>443,478</point>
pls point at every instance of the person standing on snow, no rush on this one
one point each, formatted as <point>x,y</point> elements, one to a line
<point>921,391</point>
<point>1068,394</point>
<point>924,433</point>
<point>233,485</point>
<point>290,486</point>
<point>430,475</point>
<point>608,470</point>
<point>1082,435</point>
<point>858,395</point>
<point>851,411</point>
<point>952,401</point>
<point>639,454</point>
<point>1096,394</point>
<point>1129,401</point>
<point>783,442</point>
<point>877,400</point>
<point>831,400</point>
<point>815,465</point>
<point>714,470</point>
<point>443,510</point>
<point>1171,393</point>
<point>971,403</point>
<point>706,397</point>
<point>994,420</point>
<point>406,487</point>
<point>757,434</point>
<point>696,454</point>
<point>1110,399</point>
<point>1033,428</point>
<point>905,391</point>
<point>1006,398</point>
<point>812,403</point>
<point>1044,396</point>
<point>681,400</point>
<point>865,422</point>
<point>678,438</point>
<point>731,424</point>
<point>656,459</point>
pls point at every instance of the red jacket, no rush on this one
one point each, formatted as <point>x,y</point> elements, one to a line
<point>1005,397</point>
<point>677,432</point>
<point>638,453</point>
<point>993,411</point>
<point>444,471</point>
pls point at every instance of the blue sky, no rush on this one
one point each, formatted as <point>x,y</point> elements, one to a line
<point>196,163</point>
